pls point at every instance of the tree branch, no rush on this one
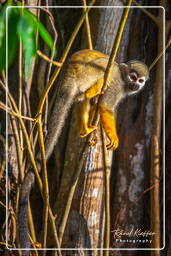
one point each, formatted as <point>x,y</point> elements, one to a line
<point>87,23</point>
<point>149,14</point>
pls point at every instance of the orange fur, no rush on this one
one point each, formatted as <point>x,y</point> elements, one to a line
<point>83,118</point>
<point>95,89</point>
<point>108,122</point>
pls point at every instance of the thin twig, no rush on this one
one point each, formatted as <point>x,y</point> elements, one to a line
<point>107,193</point>
<point>71,191</point>
<point>12,113</point>
<point>87,25</point>
<point>4,77</point>
<point>6,108</point>
<point>34,246</point>
<point>53,226</point>
<point>2,167</point>
<point>147,190</point>
<point>31,223</point>
<point>55,41</point>
<point>3,160</point>
<point>45,183</point>
<point>155,202</point>
<point>149,14</point>
<point>51,19</point>
<point>18,149</point>
<point>40,131</point>
<point>45,10</point>
<point>46,58</point>
<point>20,93</point>
<point>160,55</point>
<point>4,243</point>
<point>44,167</point>
<point>13,226</point>
<point>2,204</point>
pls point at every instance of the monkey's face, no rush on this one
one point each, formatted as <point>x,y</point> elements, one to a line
<point>135,83</point>
<point>135,75</point>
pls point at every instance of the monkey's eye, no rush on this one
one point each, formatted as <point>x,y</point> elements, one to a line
<point>133,76</point>
<point>141,80</point>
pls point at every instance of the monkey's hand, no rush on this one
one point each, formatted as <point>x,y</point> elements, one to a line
<point>95,89</point>
<point>109,125</point>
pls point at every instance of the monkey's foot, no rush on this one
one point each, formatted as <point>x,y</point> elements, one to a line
<point>114,143</point>
<point>87,130</point>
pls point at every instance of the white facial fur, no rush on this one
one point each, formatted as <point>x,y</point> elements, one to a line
<point>140,81</point>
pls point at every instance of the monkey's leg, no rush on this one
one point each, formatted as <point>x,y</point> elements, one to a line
<point>86,115</point>
<point>109,125</point>
<point>83,112</point>
<point>95,89</point>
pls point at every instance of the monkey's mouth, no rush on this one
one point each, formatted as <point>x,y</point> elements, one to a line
<point>134,86</point>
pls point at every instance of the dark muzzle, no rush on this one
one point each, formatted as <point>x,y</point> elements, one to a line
<point>134,87</point>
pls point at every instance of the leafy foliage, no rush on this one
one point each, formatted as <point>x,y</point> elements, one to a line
<point>21,25</point>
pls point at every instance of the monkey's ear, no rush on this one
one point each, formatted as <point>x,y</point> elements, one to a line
<point>123,67</point>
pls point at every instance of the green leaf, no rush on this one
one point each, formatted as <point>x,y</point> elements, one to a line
<point>25,31</point>
<point>2,39</point>
<point>29,56</point>
<point>22,24</point>
<point>42,30</point>
<point>45,36</point>
<point>12,36</point>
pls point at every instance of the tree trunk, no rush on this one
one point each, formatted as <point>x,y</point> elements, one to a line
<point>87,210</point>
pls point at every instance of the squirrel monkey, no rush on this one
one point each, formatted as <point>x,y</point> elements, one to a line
<point>81,80</point>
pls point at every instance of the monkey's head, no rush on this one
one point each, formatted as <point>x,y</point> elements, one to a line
<point>135,74</point>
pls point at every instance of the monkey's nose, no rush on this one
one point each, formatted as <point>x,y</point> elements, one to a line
<point>134,87</point>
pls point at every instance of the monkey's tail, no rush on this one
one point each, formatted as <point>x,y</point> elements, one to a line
<point>23,227</point>
<point>63,102</point>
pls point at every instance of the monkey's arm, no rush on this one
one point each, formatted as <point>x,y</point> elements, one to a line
<point>108,122</point>
<point>95,89</point>
<point>83,118</point>
<point>83,109</point>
